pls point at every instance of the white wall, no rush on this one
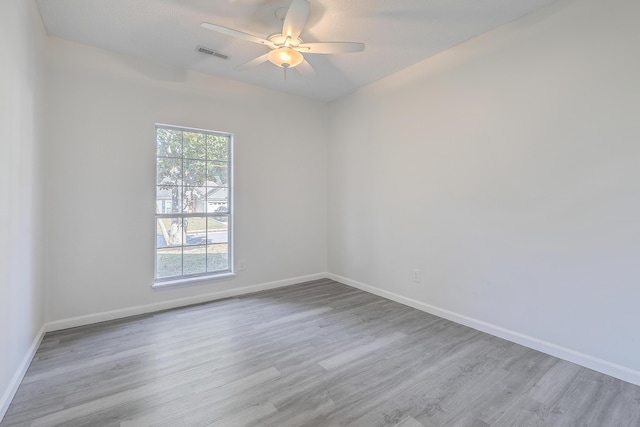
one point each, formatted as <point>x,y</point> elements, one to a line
<point>101,112</point>
<point>508,171</point>
<point>22,42</point>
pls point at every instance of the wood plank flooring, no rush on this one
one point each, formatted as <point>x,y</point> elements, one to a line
<point>315,354</point>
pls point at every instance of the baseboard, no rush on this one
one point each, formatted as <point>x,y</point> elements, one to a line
<point>10,392</point>
<point>612,369</point>
<point>180,302</point>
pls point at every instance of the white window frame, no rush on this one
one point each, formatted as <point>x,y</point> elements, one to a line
<point>186,279</point>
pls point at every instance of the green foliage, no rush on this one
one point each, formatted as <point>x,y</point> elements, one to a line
<point>187,161</point>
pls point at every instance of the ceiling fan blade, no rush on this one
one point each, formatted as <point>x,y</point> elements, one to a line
<point>331,47</point>
<point>257,61</point>
<point>295,19</point>
<point>236,33</point>
<point>306,69</point>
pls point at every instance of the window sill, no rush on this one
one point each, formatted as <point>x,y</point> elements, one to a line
<point>170,284</point>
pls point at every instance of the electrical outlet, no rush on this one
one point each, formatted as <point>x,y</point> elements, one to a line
<point>242,265</point>
<point>416,275</point>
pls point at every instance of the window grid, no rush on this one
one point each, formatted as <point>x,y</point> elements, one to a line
<point>193,203</point>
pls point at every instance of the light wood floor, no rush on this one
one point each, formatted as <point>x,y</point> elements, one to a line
<point>314,354</point>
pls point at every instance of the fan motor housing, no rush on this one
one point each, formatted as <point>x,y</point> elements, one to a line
<point>279,40</point>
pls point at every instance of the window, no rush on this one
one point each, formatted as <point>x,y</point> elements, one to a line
<point>193,204</point>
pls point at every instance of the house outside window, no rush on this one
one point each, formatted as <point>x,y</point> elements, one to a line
<point>193,204</point>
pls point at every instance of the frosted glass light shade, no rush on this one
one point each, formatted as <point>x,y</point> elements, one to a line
<point>285,57</point>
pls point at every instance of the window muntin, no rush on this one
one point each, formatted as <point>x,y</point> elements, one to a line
<point>193,203</point>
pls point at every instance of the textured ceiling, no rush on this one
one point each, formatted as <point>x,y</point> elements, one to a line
<point>397,33</point>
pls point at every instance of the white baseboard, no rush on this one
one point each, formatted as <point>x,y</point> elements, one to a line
<point>8,394</point>
<point>609,368</point>
<point>180,302</point>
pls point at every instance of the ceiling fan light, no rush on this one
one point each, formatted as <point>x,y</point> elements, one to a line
<point>285,57</point>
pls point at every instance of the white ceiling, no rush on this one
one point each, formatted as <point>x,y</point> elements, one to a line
<point>397,33</point>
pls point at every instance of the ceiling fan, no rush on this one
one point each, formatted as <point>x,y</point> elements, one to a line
<point>287,48</point>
